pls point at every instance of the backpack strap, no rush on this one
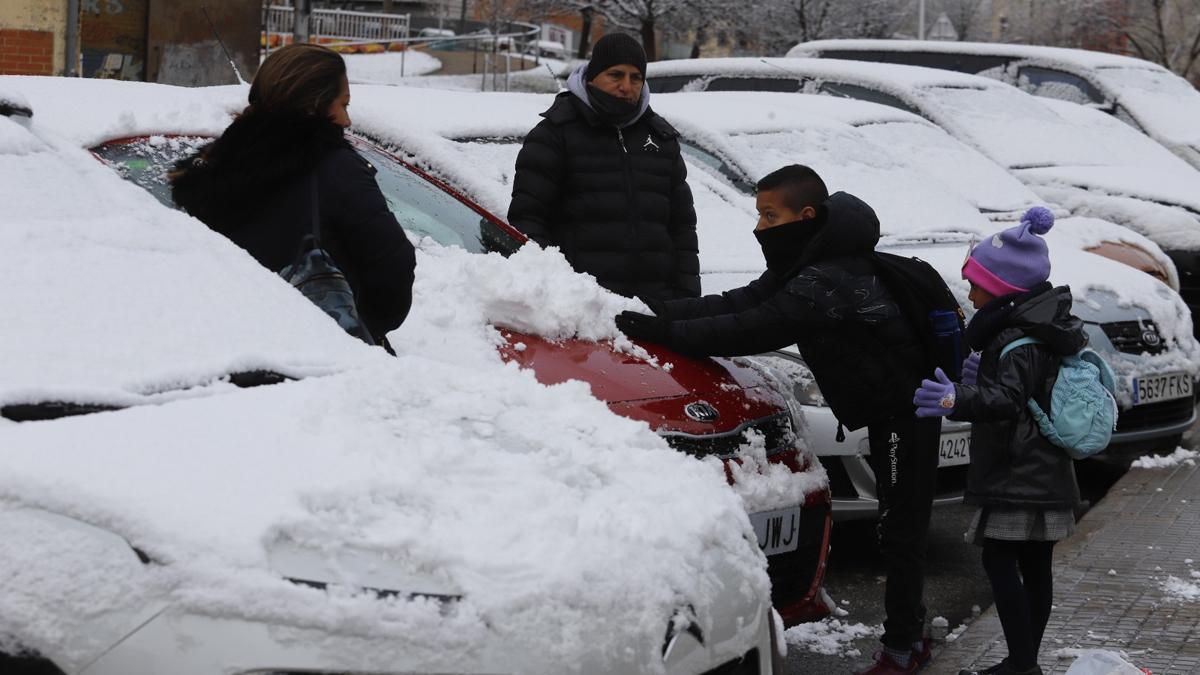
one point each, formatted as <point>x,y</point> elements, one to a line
<point>1020,342</point>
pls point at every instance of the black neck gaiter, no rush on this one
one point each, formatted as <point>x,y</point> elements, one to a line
<point>613,110</point>
<point>783,245</point>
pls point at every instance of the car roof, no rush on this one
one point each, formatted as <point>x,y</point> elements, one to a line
<point>901,76</point>
<point>1079,57</point>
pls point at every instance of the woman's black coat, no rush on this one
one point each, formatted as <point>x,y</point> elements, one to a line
<point>253,185</point>
<point>615,202</point>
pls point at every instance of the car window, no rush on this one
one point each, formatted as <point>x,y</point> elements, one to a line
<point>1122,113</point>
<point>864,94</point>
<point>1059,84</point>
<point>146,161</point>
<point>666,84</point>
<point>425,209</point>
<point>785,84</point>
<point>963,63</point>
<point>720,166</point>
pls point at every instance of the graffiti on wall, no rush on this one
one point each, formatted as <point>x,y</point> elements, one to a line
<point>112,37</point>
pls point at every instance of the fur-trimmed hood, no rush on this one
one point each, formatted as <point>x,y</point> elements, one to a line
<point>222,184</point>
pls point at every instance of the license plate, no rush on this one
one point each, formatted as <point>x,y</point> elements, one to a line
<point>954,449</point>
<point>1165,387</point>
<point>777,531</point>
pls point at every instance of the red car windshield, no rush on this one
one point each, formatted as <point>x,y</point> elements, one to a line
<point>421,203</point>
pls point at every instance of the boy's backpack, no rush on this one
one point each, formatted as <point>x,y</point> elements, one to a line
<point>1083,411</point>
<point>930,307</point>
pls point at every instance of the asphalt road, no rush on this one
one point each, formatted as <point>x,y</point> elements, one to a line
<point>955,581</point>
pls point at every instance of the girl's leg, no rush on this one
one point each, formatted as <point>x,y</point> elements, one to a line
<point>1036,574</point>
<point>1000,562</point>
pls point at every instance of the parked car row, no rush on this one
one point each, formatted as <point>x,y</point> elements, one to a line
<point>188,431</point>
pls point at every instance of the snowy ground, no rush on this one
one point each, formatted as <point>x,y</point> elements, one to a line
<point>389,67</point>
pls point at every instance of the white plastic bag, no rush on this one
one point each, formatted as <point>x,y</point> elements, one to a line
<point>1101,662</point>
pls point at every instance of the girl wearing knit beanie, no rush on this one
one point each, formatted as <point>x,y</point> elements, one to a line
<point>1024,486</point>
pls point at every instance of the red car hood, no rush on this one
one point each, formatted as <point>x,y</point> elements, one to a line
<point>656,394</point>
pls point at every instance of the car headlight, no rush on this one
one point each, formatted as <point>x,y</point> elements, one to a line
<point>1138,258</point>
<point>793,378</point>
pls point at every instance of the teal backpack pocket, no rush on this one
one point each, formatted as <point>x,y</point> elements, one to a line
<point>1083,409</point>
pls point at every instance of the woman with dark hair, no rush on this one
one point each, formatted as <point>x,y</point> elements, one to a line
<point>255,184</point>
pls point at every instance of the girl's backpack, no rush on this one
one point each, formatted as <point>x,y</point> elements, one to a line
<point>1083,410</point>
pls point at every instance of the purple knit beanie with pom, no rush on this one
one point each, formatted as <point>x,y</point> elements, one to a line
<point>1014,260</point>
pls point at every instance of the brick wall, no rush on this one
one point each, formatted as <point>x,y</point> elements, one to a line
<point>26,52</point>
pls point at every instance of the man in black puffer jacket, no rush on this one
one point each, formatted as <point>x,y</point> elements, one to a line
<point>601,177</point>
<point>821,293</point>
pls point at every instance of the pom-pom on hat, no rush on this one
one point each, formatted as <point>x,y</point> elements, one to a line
<point>1013,260</point>
<point>615,49</point>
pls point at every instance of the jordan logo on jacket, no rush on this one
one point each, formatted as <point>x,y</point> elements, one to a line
<point>650,144</point>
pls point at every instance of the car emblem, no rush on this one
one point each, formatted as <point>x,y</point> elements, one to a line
<point>701,412</point>
<point>1151,338</point>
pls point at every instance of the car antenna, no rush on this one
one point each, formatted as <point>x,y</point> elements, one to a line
<point>221,42</point>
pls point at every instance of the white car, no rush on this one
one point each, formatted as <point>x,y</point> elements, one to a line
<point>203,474</point>
<point>934,195</point>
<point>1142,94</point>
<point>1076,167</point>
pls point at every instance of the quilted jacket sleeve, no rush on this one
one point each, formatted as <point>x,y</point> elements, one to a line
<point>537,184</point>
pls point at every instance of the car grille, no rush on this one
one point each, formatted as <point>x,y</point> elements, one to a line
<point>1155,415</point>
<point>776,431</point>
<point>792,573</point>
<point>746,665</point>
<point>1135,337</point>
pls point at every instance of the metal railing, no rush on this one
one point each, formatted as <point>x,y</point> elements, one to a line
<point>344,26</point>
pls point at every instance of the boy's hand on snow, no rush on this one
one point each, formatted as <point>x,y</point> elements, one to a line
<point>643,327</point>
<point>935,398</point>
<point>657,307</point>
<point>970,369</point>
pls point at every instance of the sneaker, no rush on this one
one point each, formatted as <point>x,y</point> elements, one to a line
<point>884,665</point>
<point>924,655</point>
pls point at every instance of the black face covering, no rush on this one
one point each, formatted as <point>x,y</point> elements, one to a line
<point>783,245</point>
<point>614,110</point>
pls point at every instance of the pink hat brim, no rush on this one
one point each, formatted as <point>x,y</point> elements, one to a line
<point>982,277</point>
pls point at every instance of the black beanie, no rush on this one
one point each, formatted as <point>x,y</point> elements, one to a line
<point>615,49</point>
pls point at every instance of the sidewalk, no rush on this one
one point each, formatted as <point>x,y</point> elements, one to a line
<point>1109,583</point>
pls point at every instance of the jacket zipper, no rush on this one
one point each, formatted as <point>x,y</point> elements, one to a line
<point>630,208</point>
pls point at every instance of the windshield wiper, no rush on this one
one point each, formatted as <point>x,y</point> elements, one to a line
<point>43,411</point>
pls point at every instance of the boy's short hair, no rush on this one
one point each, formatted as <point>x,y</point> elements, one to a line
<point>801,186</point>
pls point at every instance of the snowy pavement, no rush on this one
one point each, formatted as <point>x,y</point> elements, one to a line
<point>1128,581</point>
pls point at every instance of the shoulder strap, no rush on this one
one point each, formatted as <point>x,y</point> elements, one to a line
<point>1019,342</point>
<point>316,208</point>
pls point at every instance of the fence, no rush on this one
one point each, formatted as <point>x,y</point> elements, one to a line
<point>344,26</point>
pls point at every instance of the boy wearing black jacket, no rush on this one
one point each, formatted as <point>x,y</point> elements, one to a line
<point>821,293</point>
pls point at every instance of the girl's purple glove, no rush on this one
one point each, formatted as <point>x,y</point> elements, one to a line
<point>970,369</point>
<point>935,399</point>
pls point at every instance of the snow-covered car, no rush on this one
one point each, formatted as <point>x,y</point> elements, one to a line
<point>1081,169</point>
<point>933,194</point>
<point>679,401</point>
<point>846,139</point>
<point>1142,94</point>
<point>202,473</point>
